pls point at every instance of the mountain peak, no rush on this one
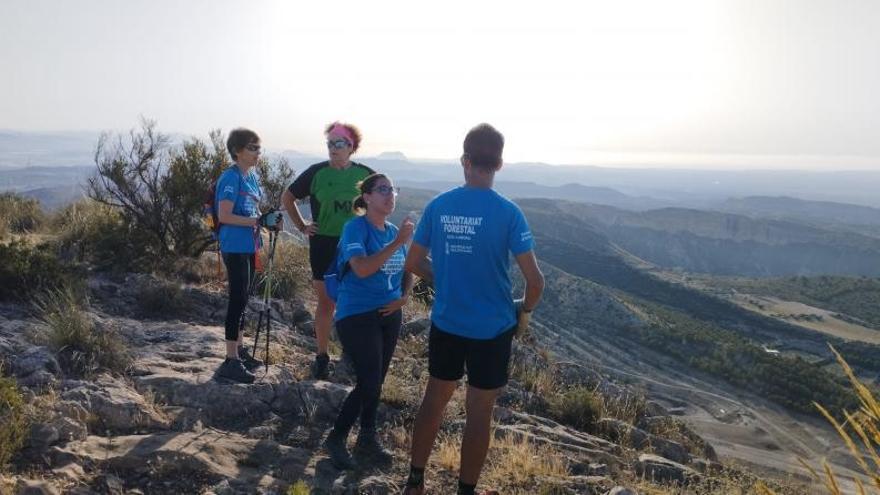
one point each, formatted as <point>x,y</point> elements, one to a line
<point>391,155</point>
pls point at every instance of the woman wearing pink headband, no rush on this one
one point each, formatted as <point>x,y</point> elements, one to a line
<point>330,186</point>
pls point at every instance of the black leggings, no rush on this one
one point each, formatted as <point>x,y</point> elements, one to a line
<point>369,340</point>
<point>240,271</point>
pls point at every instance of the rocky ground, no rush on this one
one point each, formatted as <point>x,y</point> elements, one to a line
<point>166,425</point>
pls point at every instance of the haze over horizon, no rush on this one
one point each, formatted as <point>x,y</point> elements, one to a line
<point>686,84</point>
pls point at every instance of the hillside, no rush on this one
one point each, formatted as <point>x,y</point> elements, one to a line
<point>158,422</point>
<point>726,244</point>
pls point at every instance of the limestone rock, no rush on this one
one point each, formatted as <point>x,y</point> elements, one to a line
<point>660,469</point>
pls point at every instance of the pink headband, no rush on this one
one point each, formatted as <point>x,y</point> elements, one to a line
<point>341,130</point>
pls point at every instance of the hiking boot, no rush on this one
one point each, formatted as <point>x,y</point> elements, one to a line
<point>250,362</point>
<point>233,369</point>
<point>370,446</point>
<point>335,447</point>
<point>320,368</point>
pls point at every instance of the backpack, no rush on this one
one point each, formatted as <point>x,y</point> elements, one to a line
<point>210,215</point>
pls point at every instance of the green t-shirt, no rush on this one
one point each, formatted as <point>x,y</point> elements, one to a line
<point>331,193</point>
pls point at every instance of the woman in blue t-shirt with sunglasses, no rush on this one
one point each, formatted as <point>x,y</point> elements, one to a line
<point>373,289</point>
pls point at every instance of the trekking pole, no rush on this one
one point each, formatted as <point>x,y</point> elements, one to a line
<point>265,311</point>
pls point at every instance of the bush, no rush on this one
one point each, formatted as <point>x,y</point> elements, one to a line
<point>18,214</point>
<point>27,270</point>
<point>159,189</point>
<point>577,407</point>
<point>291,271</point>
<point>93,232</point>
<point>161,298</point>
<point>82,348</point>
<point>13,423</point>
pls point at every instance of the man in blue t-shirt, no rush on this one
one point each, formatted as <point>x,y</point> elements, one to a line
<point>470,233</point>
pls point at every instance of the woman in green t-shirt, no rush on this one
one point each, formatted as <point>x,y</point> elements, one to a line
<point>330,187</point>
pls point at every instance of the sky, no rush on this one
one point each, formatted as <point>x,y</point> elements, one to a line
<point>725,84</point>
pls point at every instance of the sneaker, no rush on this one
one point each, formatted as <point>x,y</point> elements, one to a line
<point>233,369</point>
<point>320,367</point>
<point>369,445</point>
<point>335,447</point>
<point>250,363</point>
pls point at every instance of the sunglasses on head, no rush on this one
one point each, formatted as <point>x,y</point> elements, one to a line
<point>339,144</point>
<point>386,190</point>
<point>253,147</point>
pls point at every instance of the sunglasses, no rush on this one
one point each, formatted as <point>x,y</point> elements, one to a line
<point>386,190</point>
<point>339,144</point>
<point>253,147</point>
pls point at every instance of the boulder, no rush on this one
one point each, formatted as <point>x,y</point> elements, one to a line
<point>36,368</point>
<point>116,407</point>
<point>673,451</point>
<point>662,470</point>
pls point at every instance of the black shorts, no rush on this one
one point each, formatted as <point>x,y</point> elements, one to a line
<point>322,252</point>
<point>487,361</point>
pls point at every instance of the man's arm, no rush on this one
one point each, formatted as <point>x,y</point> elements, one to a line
<point>417,262</point>
<point>528,265</point>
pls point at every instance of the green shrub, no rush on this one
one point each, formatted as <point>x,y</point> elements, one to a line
<point>161,298</point>
<point>13,422</point>
<point>19,215</point>
<point>27,270</point>
<point>578,407</point>
<point>92,232</point>
<point>82,348</point>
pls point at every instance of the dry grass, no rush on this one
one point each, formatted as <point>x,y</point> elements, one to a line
<point>395,392</point>
<point>516,461</point>
<point>81,346</point>
<point>291,271</point>
<point>535,375</point>
<point>625,407</point>
<point>447,451</point>
<point>401,437</point>
<point>860,431</point>
<point>513,463</point>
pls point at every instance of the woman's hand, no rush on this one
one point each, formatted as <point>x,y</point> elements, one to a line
<point>309,228</point>
<point>393,306</point>
<point>405,231</point>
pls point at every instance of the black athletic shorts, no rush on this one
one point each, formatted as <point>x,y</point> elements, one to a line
<point>487,361</point>
<point>322,252</point>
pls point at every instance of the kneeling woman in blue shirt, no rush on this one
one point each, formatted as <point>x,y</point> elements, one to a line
<point>372,291</point>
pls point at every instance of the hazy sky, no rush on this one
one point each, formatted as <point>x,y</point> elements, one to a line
<point>720,83</point>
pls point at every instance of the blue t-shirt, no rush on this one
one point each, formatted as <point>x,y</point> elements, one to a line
<point>245,193</point>
<point>360,295</point>
<point>470,232</point>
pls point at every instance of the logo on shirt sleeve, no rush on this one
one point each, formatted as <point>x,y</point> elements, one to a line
<point>525,236</point>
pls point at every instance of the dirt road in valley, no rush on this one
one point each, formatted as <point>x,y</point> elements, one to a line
<point>744,428</point>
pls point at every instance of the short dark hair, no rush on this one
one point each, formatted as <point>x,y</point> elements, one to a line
<point>353,129</point>
<point>238,139</point>
<point>366,187</point>
<point>484,145</point>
